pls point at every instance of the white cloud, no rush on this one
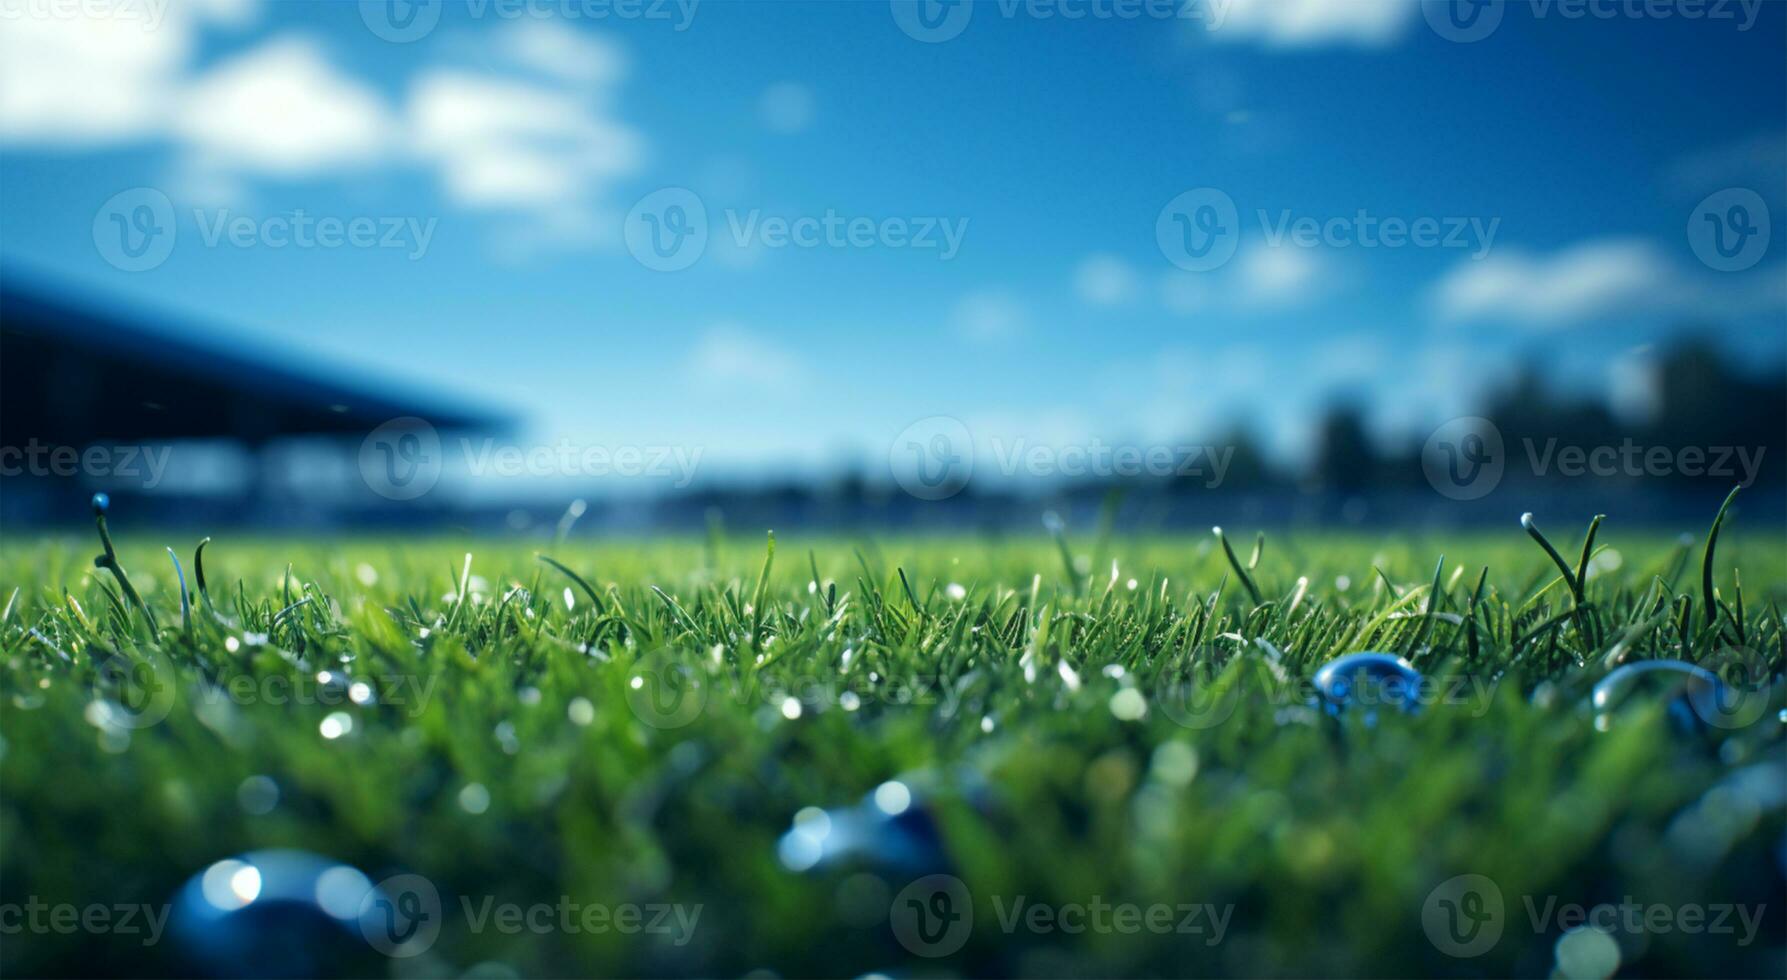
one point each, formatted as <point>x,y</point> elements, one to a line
<point>1260,278</point>
<point>281,109</point>
<point>518,119</point>
<point>88,80</point>
<point>526,127</point>
<point>1104,280</point>
<point>1600,278</point>
<point>989,316</point>
<point>562,52</point>
<point>1310,23</point>
<point>1278,276</point>
<point>728,356</point>
<point>1587,280</point>
<point>786,107</point>
<point>232,13</point>
<point>101,71</point>
<point>506,143</point>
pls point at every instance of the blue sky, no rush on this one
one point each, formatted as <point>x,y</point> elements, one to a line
<point>1570,154</point>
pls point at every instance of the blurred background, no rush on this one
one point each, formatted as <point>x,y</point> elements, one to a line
<point>653,264</point>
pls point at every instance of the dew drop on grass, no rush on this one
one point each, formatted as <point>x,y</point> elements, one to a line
<point>1128,705</point>
<point>804,845</point>
<point>798,851</point>
<point>1586,953</point>
<point>506,738</point>
<point>1544,695</point>
<point>257,795</point>
<point>337,724</point>
<point>892,797</point>
<point>99,714</point>
<point>1174,763</point>
<point>340,891</point>
<point>813,821</point>
<point>1069,676</point>
<point>581,711</point>
<point>791,708</point>
<point>230,884</point>
<point>474,798</point>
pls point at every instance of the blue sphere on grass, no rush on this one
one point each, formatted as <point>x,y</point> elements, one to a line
<point>1368,680</point>
<point>1694,696</point>
<point>274,913</point>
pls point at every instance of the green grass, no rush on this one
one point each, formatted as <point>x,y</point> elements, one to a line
<point>982,673</point>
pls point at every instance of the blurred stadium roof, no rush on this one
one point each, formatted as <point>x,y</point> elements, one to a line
<point>75,374</point>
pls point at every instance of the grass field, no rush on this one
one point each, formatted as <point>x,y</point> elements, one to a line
<point>683,757</point>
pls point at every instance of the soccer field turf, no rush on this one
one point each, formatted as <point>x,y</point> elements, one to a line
<point>1078,755</point>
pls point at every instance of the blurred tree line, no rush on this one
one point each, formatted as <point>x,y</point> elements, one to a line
<point>1729,423</point>
<point>1698,411</point>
